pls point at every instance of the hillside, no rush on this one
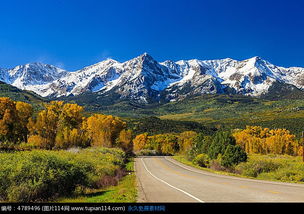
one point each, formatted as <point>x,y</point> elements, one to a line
<point>283,107</point>
<point>220,111</point>
<point>14,93</point>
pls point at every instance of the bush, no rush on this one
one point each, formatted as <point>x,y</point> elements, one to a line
<point>294,174</point>
<point>39,175</point>
<point>233,156</point>
<point>43,175</point>
<point>256,167</point>
<point>282,168</point>
<point>202,160</point>
<point>216,165</point>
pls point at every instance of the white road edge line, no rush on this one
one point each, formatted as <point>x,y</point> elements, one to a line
<point>170,184</point>
<point>234,178</point>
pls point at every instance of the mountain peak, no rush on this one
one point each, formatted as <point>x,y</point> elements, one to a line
<point>143,78</point>
<point>108,62</point>
<point>254,59</point>
<point>36,63</point>
<point>39,66</point>
<point>145,56</point>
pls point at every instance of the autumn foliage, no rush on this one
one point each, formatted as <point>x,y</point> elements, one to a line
<point>140,141</point>
<point>104,129</point>
<point>124,141</point>
<point>185,141</point>
<point>63,125</point>
<point>258,140</point>
<point>161,143</point>
<point>13,120</point>
<point>59,126</point>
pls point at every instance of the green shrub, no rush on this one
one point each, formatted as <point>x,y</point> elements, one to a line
<point>40,175</point>
<point>233,155</point>
<point>43,175</point>
<point>256,167</point>
<point>202,160</point>
<point>288,173</point>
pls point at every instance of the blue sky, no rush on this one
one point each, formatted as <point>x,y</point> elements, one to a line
<point>73,33</point>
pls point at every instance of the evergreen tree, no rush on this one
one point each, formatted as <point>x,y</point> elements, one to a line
<point>201,144</point>
<point>219,144</point>
<point>233,155</point>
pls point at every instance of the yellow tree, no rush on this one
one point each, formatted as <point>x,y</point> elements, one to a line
<point>281,141</point>
<point>31,126</point>
<point>255,139</point>
<point>58,125</point>
<point>185,140</point>
<point>140,141</point>
<point>38,141</point>
<point>169,144</point>
<point>124,140</point>
<point>252,139</point>
<point>104,129</point>
<point>67,138</point>
<point>47,123</point>
<point>24,112</point>
<point>71,115</point>
<point>8,120</point>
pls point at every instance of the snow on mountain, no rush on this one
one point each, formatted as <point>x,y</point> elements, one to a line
<point>31,76</point>
<point>4,76</point>
<point>143,79</point>
<point>293,76</point>
<point>91,78</point>
<point>252,77</point>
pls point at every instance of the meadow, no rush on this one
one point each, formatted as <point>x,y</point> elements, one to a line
<point>124,192</point>
<point>40,175</point>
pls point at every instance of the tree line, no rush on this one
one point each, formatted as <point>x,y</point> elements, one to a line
<point>59,126</point>
<point>258,140</point>
<point>197,147</point>
<point>63,125</point>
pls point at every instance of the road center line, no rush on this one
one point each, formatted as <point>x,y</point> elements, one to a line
<point>174,171</point>
<point>197,199</point>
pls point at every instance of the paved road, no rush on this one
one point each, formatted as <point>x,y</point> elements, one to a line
<point>162,179</point>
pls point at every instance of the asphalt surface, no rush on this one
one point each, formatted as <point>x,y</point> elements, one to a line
<point>163,179</point>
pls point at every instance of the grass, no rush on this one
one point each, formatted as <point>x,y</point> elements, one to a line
<point>283,168</point>
<point>185,161</point>
<point>124,192</point>
<point>40,175</point>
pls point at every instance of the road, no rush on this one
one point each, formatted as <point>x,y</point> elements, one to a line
<point>163,179</point>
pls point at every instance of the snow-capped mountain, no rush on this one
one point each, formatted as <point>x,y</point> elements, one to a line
<point>32,76</point>
<point>145,80</point>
